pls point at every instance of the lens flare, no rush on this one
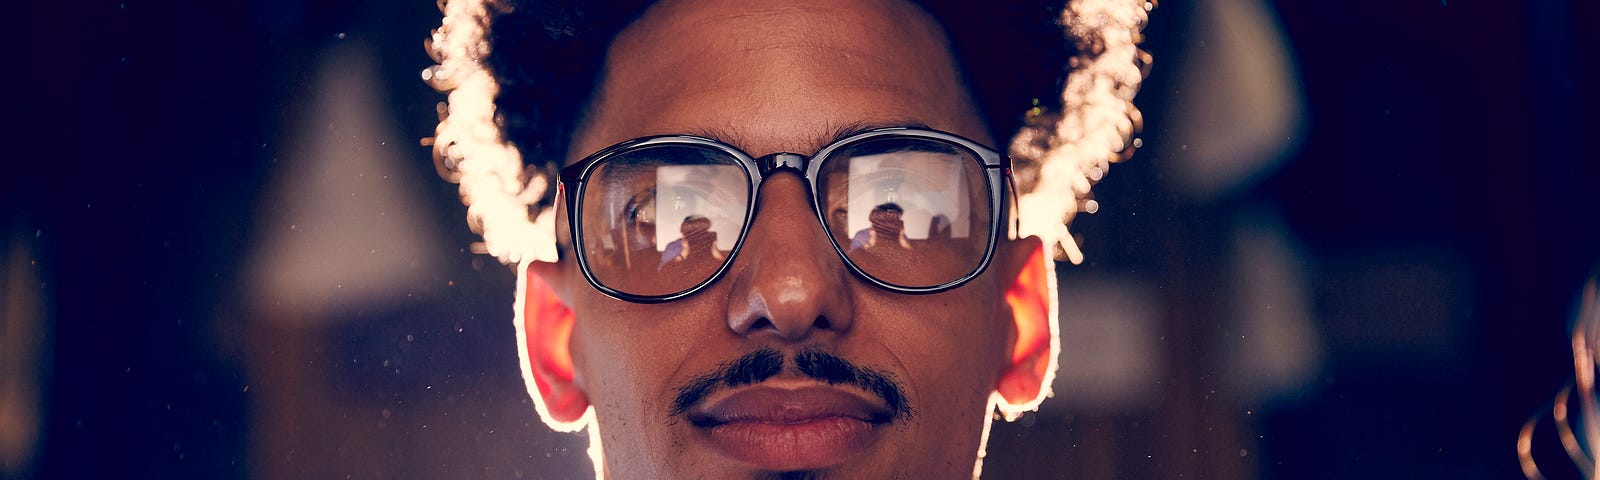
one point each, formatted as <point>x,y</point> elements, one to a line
<point>1579,444</point>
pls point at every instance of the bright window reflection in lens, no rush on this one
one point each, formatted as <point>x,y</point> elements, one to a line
<point>660,219</point>
<point>911,212</point>
<point>926,191</point>
<point>697,200</point>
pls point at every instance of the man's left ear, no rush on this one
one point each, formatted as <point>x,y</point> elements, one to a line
<point>1028,296</point>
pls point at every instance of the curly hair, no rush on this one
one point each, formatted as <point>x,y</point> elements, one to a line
<point>547,57</point>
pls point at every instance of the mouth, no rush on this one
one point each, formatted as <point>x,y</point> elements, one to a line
<point>786,429</point>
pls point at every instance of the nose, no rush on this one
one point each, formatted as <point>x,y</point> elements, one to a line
<point>788,282</point>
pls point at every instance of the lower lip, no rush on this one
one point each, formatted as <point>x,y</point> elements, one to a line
<point>810,444</point>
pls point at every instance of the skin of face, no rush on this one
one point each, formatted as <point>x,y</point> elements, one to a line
<point>774,76</point>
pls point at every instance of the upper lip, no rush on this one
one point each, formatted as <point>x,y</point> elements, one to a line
<point>774,404</point>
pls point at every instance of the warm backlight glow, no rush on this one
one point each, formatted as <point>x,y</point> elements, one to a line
<point>1098,120</point>
<point>469,149</point>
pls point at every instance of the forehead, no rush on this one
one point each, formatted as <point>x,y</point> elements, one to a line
<point>771,76</point>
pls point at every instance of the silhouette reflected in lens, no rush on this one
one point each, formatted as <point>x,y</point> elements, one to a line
<point>696,244</point>
<point>887,228</point>
<point>939,228</point>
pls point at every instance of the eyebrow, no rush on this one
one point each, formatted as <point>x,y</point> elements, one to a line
<point>856,128</point>
<point>834,134</point>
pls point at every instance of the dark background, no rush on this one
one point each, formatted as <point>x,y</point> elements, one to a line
<point>1443,192</point>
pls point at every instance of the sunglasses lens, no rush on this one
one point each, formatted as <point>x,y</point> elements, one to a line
<point>910,211</point>
<point>659,220</point>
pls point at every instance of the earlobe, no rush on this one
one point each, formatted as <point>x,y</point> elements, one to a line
<point>547,324</point>
<point>1023,383</point>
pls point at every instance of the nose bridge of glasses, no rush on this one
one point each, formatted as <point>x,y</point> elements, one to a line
<point>787,280</point>
<point>785,160</point>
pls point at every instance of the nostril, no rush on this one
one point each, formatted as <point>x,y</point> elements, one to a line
<point>821,322</point>
<point>762,323</point>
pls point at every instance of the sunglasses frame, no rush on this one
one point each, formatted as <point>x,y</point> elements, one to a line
<point>573,180</point>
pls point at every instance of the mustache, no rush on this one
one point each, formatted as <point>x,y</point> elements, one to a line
<point>760,365</point>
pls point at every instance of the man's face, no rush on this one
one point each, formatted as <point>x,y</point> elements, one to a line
<point>820,355</point>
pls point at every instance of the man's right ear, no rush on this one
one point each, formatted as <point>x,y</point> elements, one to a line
<point>547,322</point>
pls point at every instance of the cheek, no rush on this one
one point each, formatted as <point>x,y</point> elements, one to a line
<point>951,352</point>
<point>630,360</point>
<point>952,347</point>
<point>622,362</point>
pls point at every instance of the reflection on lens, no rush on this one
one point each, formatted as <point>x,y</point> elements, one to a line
<point>659,220</point>
<point>909,211</point>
